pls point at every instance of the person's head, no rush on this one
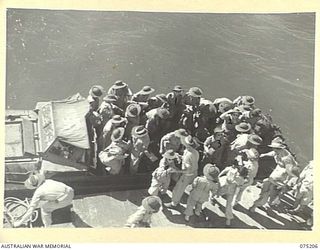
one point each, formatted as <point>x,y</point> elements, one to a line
<point>96,91</point>
<point>218,133</point>
<point>117,120</point>
<point>181,133</point>
<point>163,113</point>
<point>152,203</point>
<point>190,143</point>
<point>133,110</point>
<point>254,140</point>
<point>117,134</point>
<point>146,91</point>
<point>139,131</point>
<point>34,181</point>
<point>277,147</point>
<point>170,155</point>
<point>211,172</point>
<point>243,127</point>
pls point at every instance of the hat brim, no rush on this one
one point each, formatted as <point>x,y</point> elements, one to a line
<point>276,146</point>
<point>254,142</point>
<point>118,138</point>
<point>242,130</point>
<point>146,206</point>
<point>207,175</point>
<point>129,114</point>
<point>117,122</point>
<point>143,92</point>
<point>120,86</point>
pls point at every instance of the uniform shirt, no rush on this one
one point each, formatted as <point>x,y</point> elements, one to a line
<point>140,144</point>
<point>49,190</point>
<point>190,160</point>
<point>201,188</point>
<point>252,166</point>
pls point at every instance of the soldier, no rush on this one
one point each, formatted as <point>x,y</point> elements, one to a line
<point>201,188</point>
<point>190,160</point>
<point>49,196</point>
<point>142,217</point>
<point>123,93</point>
<point>162,175</point>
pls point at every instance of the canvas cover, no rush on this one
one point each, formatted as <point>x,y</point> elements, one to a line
<point>64,120</point>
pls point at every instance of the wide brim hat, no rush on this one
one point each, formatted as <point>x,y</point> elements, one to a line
<point>96,91</point>
<point>146,90</point>
<point>170,154</point>
<point>277,145</point>
<point>181,132</point>
<point>119,84</point>
<point>163,113</point>
<point>110,98</point>
<point>218,129</point>
<point>191,142</point>
<point>117,134</point>
<point>211,172</point>
<point>222,100</point>
<point>248,100</point>
<point>34,181</point>
<point>234,110</point>
<point>243,127</point>
<point>177,88</point>
<point>195,92</point>
<point>152,203</point>
<point>255,139</point>
<point>139,131</point>
<point>118,119</point>
<point>133,110</point>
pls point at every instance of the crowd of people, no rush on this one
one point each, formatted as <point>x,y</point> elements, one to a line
<point>183,138</point>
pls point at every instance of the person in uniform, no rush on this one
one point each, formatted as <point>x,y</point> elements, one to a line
<point>49,196</point>
<point>173,140</point>
<point>285,169</point>
<point>162,175</point>
<point>123,93</point>
<point>142,217</point>
<point>201,188</point>
<point>132,115</point>
<point>190,160</point>
<point>113,157</point>
<point>140,145</point>
<point>231,178</point>
<point>95,94</point>
<point>143,95</point>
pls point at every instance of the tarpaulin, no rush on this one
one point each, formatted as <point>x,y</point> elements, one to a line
<point>64,120</point>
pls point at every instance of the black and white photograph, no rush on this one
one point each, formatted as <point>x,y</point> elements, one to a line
<point>136,119</point>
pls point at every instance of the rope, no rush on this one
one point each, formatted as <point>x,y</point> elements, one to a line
<point>13,207</point>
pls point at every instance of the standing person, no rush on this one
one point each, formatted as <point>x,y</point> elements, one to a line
<point>142,217</point>
<point>304,191</point>
<point>231,178</point>
<point>162,175</point>
<point>285,169</point>
<point>132,115</point>
<point>143,95</point>
<point>156,123</point>
<point>190,160</point>
<point>116,122</point>
<point>95,94</point>
<point>113,157</point>
<point>123,93</point>
<point>173,140</point>
<point>201,188</point>
<point>49,196</point>
<point>253,166</point>
<point>215,149</point>
<point>140,145</point>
